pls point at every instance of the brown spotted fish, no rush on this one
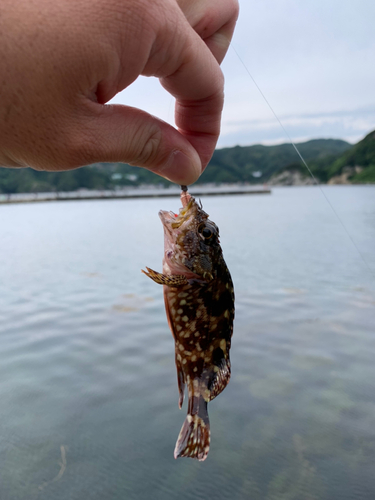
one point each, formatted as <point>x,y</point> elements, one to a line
<point>199,302</point>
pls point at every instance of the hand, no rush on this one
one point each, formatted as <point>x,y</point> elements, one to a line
<point>61,62</point>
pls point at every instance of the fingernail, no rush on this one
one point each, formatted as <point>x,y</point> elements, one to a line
<point>182,168</point>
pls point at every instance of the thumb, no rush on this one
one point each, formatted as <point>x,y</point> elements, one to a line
<point>119,133</point>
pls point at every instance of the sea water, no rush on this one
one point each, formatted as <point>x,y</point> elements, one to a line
<point>88,386</point>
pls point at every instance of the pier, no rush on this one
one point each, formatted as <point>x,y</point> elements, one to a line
<point>131,193</point>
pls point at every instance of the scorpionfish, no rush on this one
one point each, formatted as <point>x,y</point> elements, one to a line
<point>199,303</point>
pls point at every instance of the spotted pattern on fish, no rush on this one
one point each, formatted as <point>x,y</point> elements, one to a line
<point>199,302</point>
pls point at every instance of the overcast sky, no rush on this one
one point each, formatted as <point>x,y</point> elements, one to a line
<point>313,59</point>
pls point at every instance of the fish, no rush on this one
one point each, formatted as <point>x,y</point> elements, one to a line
<point>199,303</point>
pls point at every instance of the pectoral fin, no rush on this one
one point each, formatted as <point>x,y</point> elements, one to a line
<point>164,279</point>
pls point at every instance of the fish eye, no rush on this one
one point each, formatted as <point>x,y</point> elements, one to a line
<point>207,233</point>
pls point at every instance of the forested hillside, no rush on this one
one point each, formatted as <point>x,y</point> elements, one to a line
<point>361,158</point>
<point>256,164</point>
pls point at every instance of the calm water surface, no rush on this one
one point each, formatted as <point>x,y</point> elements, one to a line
<point>88,389</point>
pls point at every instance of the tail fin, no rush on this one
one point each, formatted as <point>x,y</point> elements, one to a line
<point>194,438</point>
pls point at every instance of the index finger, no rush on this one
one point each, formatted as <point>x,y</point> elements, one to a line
<point>214,21</point>
<point>197,83</point>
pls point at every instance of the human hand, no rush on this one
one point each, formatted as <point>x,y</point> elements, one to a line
<point>61,62</point>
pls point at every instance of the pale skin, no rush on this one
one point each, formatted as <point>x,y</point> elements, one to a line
<point>62,61</point>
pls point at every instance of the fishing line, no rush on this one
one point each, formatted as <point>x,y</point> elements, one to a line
<point>304,162</point>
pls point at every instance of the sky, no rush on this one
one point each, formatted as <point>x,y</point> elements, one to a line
<point>314,61</point>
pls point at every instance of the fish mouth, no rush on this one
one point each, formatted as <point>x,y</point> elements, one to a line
<point>167,217</point>
<point>174,225</point>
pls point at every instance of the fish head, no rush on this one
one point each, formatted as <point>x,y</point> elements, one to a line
<point>191,242</point>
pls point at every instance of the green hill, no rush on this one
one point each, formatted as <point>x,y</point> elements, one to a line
<point>359,157</point>
<point>355,165</point>
<point>327,158</point>
<point>256,164</point>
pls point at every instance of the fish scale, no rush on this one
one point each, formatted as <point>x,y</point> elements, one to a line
<point>199,303</point>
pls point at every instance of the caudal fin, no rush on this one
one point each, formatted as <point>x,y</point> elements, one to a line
<point>194,438</point>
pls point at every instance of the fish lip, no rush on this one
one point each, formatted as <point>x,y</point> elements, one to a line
<point>166,218</point>
<point>169,240</point>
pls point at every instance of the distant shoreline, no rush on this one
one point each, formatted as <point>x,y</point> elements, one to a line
<point>147,192</point>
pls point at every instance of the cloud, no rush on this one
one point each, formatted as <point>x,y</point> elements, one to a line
<point>350,125</point>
